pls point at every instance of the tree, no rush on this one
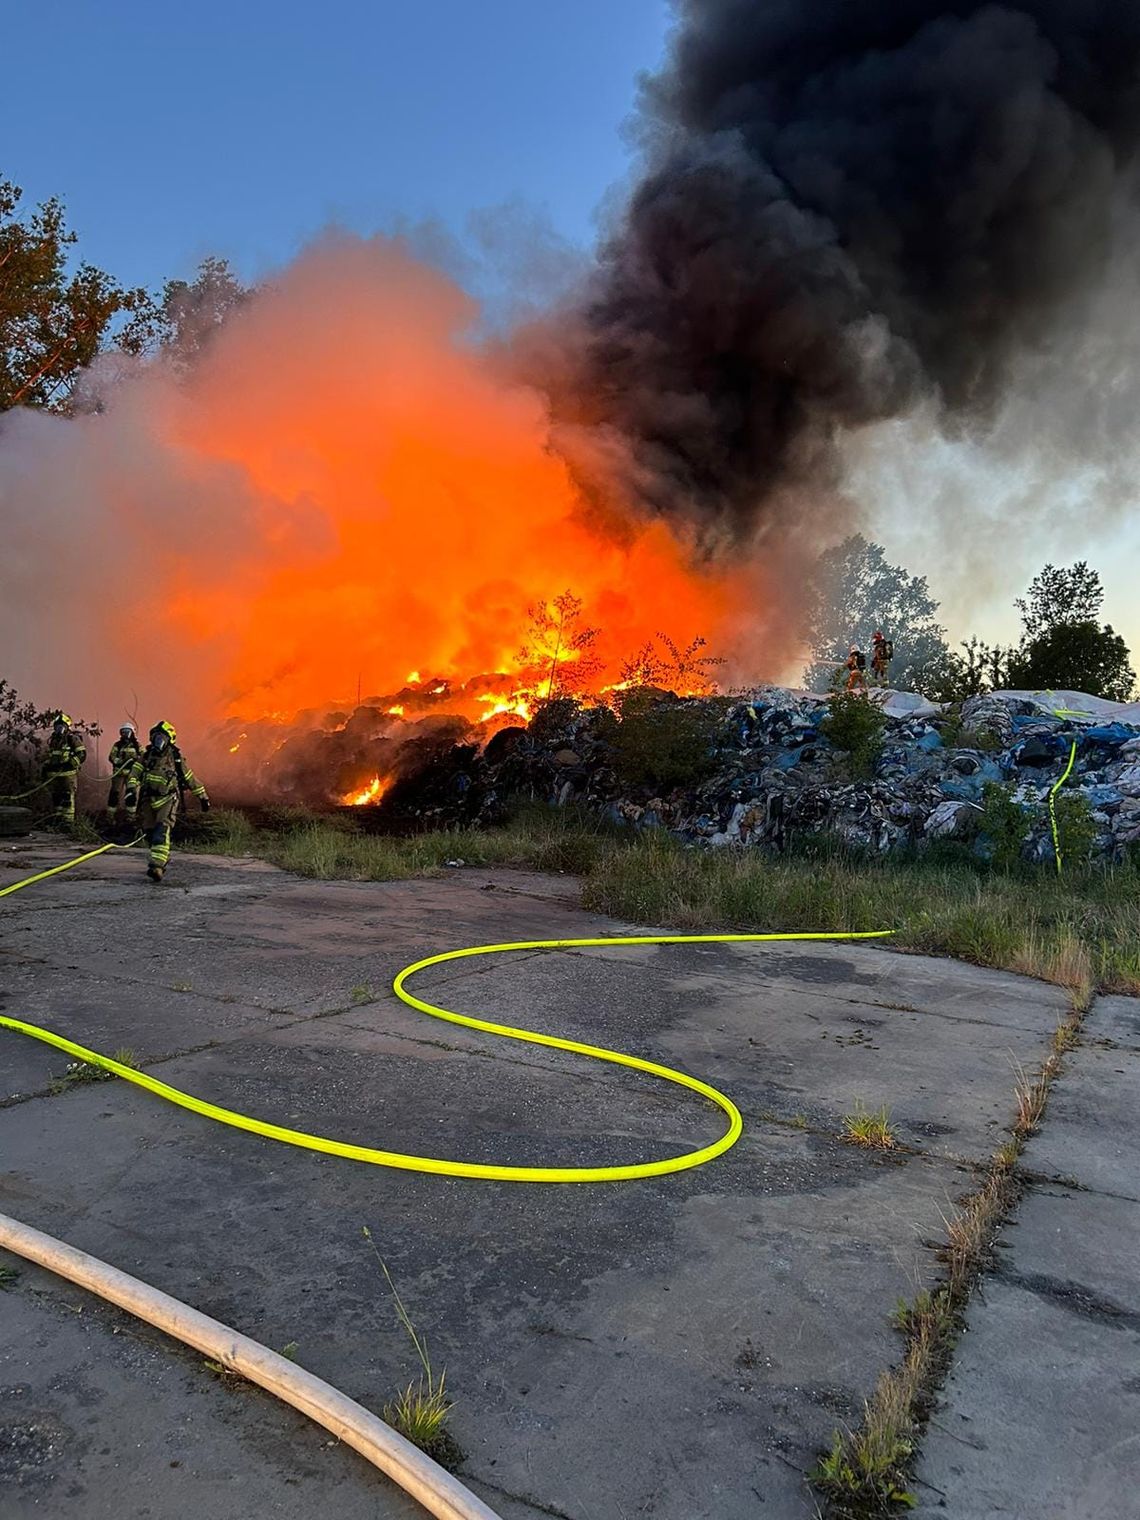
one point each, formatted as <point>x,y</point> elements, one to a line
<point>1075,657</point>
<point>662,662</point>
<point>23,730</point>
<point>1064,647</point>
<point>1058,596</point>
<point>189,314</point>
<point>52,325</point>
<point>983,667</point>
<point>851,592</point>
<point>559,648</point>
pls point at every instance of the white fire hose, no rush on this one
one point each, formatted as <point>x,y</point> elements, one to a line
<point>439,1493</point>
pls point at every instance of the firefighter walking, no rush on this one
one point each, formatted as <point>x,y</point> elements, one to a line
<point>122,756</point>
<point>154,787</point>
<point>66,753</point>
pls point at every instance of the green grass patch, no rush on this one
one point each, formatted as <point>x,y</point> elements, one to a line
<point>1081,931</point>
<point>419,1411</point>
<point>537,838</point>
<point>871,1130</point>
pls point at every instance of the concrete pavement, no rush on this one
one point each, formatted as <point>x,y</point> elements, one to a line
<point>681,1347</point>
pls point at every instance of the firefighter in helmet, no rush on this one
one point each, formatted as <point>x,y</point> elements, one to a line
<point>882,653</point>
<point>856,669</point>
<point>122,755</point>
<point>154,787</point>
<point>66,752</point>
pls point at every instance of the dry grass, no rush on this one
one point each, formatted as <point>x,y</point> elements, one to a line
<point>1031,1094</point>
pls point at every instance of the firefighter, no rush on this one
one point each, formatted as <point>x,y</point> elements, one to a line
<point>856,670</point>
<point>882,653</point>
<point>66,752</point>
<point>122,755</point>
<point>154,787</point>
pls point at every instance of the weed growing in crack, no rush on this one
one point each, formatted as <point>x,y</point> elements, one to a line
<point>1031,1094</point>
<point>865,1473</point>
<point>871,1130</point>
<point>225,1375</point>
<point>420,1411</point>
<point>9,1277</point>
<point>362,993</point>
<point>80,1073</point>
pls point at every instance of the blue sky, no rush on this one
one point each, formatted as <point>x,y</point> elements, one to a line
<point>172,132</point>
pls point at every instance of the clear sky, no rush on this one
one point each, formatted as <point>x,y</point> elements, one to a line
<point>240,129</point>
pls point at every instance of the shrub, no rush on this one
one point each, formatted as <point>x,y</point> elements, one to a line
<point>1005,823</point>
<point>662,740</point>
<point>553,718</point>
<point>1076,830</point>
<point>855,724</point>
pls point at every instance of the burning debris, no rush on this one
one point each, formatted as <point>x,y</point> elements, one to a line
<point>761,771</point>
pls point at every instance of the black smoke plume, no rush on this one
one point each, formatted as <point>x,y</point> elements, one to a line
<point>848,206</point>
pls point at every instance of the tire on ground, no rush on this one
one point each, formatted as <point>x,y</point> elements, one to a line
<point>15,821</point>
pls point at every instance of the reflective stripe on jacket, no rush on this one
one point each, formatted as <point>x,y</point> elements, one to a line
<point>64,755</point>
<point>122,754</point>
<point>154,776</point>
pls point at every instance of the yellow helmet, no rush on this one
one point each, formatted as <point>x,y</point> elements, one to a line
<point>63,720</point>
<point>161,734</point>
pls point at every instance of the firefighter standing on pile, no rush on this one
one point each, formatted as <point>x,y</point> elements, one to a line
<point>122,755</point>
<point>882,653</point>
<point>154,787</point>
<point>856,670</point>
<point>66,752</point>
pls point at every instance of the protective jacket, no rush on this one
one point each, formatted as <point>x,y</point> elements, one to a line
<point>65,754</point>
<point>122,754</point>
<point>158,775</point>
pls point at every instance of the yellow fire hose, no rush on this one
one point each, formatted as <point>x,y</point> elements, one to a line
<point>1053,790</point>
<point>442,1495</point>
<point>439,1164</point>
<point>66,866</point>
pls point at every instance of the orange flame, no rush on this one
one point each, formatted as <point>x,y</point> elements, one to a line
<point>370,793</point>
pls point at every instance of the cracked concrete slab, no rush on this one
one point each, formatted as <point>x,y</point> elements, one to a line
<point>1041,1413</point>
<point>682,1346</point>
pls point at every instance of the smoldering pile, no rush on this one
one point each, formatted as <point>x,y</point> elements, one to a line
<point>769,775</point>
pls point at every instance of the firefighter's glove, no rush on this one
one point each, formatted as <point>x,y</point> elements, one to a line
<point>204,803</point>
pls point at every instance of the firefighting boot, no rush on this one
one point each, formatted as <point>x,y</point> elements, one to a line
<point>155,872</point>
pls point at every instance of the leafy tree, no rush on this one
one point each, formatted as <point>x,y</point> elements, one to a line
<point>663,741</point>
<point>189,314</point>
<point>52,323</point>
<point>559,648</point>
<point>852,591</point>
<point>1075,657</point>
<point>1005,824</point>
<point>982,667</point>
<point>1058,596</point>
<point>661,662</point>
<point>23,735</point>
<point>1064,645</point>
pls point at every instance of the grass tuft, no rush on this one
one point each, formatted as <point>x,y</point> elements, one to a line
<point>420,1411</point>
<point>9,1277</point>
<point>872,1130</point>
